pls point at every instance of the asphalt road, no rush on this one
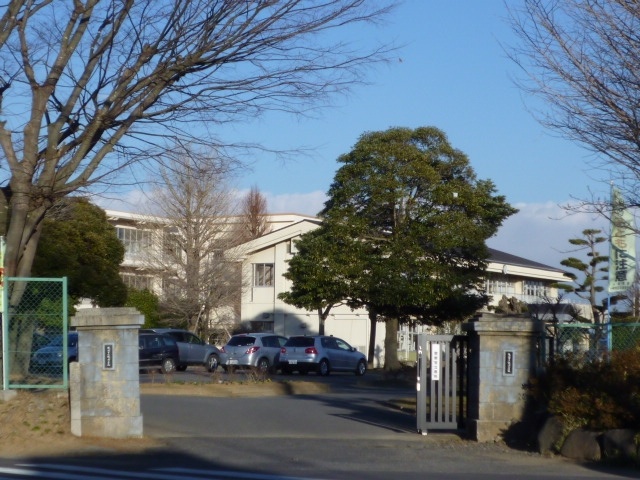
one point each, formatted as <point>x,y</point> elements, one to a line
<point>351,433</point>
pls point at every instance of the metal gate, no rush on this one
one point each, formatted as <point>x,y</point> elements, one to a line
<point>441,382</point>
<point>34,333</point>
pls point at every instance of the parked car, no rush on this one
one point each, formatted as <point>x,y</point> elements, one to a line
<point>157,350</point>
<point>50,358</point>
<point>321,353</point>
<point>257,350</point>
<point>193,350</point>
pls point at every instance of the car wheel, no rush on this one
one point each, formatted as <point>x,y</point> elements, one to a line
<point>181,368</point>
<point>212,363</point>
<point>168,365</point>
<point>263,365</point>
<point>323,367</point>
<point>361,368</point>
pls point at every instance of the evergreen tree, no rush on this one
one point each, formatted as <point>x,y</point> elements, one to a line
<point>407,220</point>
<point>586,284</point>
<point>79,243</point>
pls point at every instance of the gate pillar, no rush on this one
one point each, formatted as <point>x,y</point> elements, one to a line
<point>105,382</point>
<point>503,358</point>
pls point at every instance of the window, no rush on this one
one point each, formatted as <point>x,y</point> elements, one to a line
<point>171,287</point>
<point>535,288</point>
<point>136,242</point>
<point>499,285</point>
<point>263,274</point>
<point>137,282</point>
<point>171,245</point>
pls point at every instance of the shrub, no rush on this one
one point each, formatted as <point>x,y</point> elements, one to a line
<point>597,394</point>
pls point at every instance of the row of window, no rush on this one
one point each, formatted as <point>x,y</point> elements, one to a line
<point>137,241</point>
<point>263,276</point>
<point>502,285</point>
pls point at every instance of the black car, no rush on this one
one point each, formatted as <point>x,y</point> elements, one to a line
<point>158,351</point>
<point>193,350</point>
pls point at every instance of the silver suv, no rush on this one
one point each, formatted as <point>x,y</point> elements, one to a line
<point>257,350</point>
<point>322,354</point>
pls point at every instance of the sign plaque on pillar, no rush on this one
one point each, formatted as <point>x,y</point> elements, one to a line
<point>507,362</point>
<point>107,356</point>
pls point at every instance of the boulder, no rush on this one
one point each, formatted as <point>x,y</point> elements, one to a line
<point>618,443</point>
<point>582,445</point>
<point>550,435</point>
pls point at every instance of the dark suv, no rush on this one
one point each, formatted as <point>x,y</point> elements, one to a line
<point>193,350</point>
<point>157,351</point>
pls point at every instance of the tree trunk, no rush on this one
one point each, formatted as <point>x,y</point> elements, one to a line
<point>22,235</point>
<point>391,362</point>
<point>322,318</point>
<point>373,320</point>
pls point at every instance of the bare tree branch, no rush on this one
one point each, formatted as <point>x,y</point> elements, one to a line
<point>581,58</point>
<point>253,215</point>
<point>189,237</point>
<point>87,85</point>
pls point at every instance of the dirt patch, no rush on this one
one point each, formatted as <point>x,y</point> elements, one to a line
<point>38,422</point>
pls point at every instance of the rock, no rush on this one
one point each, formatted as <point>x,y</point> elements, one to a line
<point>582,445</point>
<point>619,443</point>
<point>550,435</point>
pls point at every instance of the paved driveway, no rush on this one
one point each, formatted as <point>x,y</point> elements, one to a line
<point>349,434</point>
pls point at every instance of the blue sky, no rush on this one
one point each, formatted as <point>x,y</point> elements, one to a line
<point>451,73</point>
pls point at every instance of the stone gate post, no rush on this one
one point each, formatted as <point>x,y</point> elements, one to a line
<point>503,357</point>
<point>105,383</point>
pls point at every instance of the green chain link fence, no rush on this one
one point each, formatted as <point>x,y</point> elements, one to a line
<point>593,341</point>
<point>36,345</point>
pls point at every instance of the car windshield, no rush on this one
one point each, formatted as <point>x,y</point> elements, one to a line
<point>299,342</point>
<point>242,341</point>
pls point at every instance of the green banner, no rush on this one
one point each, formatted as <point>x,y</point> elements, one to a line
<point>622,252</point>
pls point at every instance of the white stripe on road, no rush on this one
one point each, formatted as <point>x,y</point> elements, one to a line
<point>70,472</point>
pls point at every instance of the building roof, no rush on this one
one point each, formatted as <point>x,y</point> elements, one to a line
<point>498,256</point>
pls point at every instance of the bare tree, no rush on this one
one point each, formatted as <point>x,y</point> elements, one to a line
<point>90,87</point>
<point>191,233</point>
<point>253,215</point>
<point>581,58</point>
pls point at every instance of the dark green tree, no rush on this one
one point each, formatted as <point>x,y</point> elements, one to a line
<point>320,281</point>
<point>147,303</point>
<point>407,211</point>
<point>79,243</point>
<point>587,283</point>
